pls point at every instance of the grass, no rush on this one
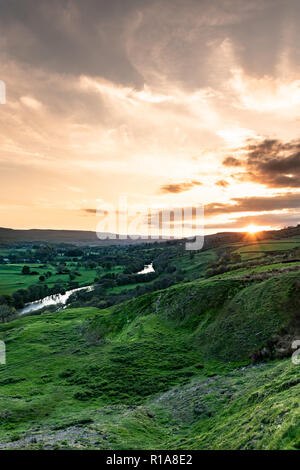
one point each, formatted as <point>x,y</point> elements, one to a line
<point>12,279</point>
<point>195,267</point>
<point>242,272</point>
<point>250,408</point>
<point>122,377</point>
<point>272,245</point>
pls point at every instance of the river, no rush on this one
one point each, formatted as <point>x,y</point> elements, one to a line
<point>51,300</point>
<point>148,268</point>
<point>62,298</point>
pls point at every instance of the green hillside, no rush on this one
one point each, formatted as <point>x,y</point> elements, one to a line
<point>198,365</point>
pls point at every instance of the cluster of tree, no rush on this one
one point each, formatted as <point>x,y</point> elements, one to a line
<point>101,299</point>
<point>35,292</point>
<point>110,280</point>
<point>7,313</point>
<point>227,260</point>
<point>74,253</point>
<point>26,271</point>
<point>45,276</point>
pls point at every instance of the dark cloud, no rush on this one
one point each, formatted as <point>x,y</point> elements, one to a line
<point>71,36</point>
<point>176,188</point>
<point>279,220</point>
<point>271,219</point>
<point>89,211</point>
<point>113,39</point>
<point>283,202</point>
<point>262,36</point>
<point>232,161</point>
<point>171,31</point>
<point>271,162</point>
<point>255,204</point>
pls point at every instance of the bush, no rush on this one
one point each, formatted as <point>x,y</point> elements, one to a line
<point>7,313</point>
<point>26,270</point>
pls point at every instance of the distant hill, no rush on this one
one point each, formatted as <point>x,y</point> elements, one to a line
<point>82,237</point>
<point>78,237</point>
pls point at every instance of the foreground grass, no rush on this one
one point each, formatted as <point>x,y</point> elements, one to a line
<point>249,408</point>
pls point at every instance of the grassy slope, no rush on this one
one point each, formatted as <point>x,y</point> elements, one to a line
<point>250,271</point>
<point>195,267</point>
<point>104,376</point>
<point>272,245</point>
<point>250,408</point>
<point>255,250</point>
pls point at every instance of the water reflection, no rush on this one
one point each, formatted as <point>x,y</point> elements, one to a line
<point>51,300</point>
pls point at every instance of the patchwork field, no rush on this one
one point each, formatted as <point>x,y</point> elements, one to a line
<point>270,246</point>
<point>12,279</point>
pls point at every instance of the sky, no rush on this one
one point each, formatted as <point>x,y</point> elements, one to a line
<point>164,103</point>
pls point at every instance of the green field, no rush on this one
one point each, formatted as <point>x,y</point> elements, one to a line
<point>269,268</point>
<point>195,267</point>
<point>272,245</point>
<point>12,279</point>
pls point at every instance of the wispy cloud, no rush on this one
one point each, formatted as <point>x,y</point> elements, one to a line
<point>179,187</point>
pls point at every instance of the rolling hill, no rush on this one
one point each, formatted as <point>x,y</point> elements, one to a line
<point>200,365</point>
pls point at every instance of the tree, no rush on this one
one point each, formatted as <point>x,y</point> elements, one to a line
<point>18,299</point>
<point>26,270</point>
<point>7,313</point>
<point>297,252</point>
<point>236,258</point>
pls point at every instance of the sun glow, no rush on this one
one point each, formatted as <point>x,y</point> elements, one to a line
<point>252,229</point>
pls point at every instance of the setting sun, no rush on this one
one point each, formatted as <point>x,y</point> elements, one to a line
<point>252,229</point>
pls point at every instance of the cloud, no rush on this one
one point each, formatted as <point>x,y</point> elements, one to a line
<point>129,96</point>
<point>267,221</point>
<point>271,162</point>
<point>232,161</point>
<point>281,202</point>
<point>222,183</point>
<point>255,204</point>
<point>89,211</point>
<point>87,37</point>
<point>31,102</point>
<point>265,94</point>
<point>282,207</point>
<point>176,188</point>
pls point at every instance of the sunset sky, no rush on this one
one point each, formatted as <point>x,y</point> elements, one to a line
<point>171,103</point>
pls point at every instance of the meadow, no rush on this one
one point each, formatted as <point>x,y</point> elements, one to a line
<point>12,279</point>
